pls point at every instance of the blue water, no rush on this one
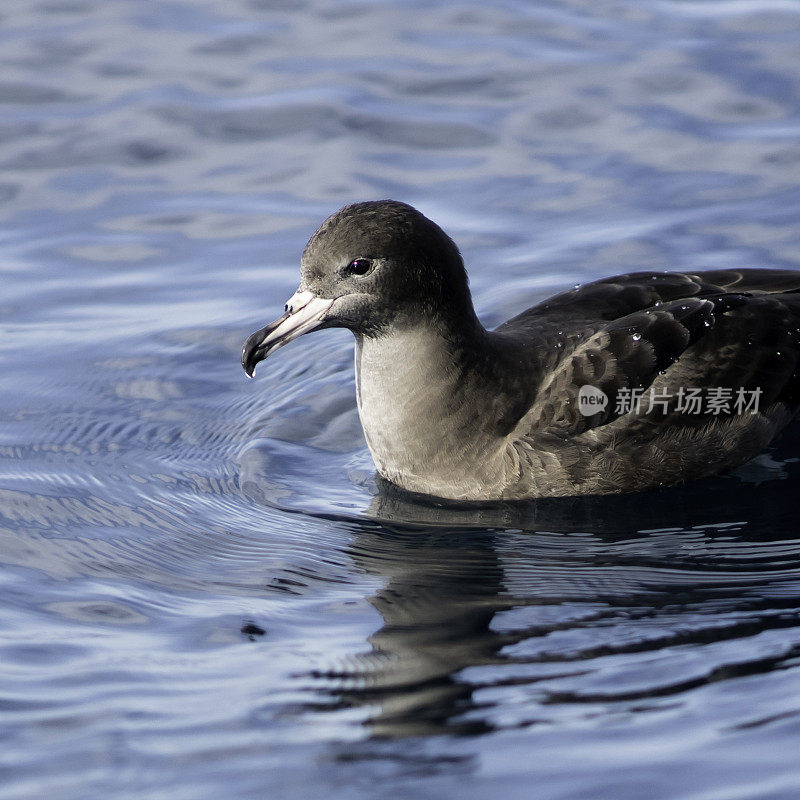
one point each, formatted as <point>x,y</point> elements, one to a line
<point>205,593</point>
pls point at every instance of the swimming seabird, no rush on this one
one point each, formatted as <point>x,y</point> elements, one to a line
<point>454,410</point>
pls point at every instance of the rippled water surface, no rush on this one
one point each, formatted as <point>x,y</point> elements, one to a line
<point>205,593</point>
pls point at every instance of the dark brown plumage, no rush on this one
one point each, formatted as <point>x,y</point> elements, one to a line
<point>454,410</point>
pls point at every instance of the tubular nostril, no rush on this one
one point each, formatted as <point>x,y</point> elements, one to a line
<point>287,308</point>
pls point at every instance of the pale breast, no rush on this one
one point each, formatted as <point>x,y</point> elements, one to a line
<point>419,421</point>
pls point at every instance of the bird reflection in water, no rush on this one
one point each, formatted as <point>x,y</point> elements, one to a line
<point>477,599</point>
<point>441,589</point>
<point>447,572</point>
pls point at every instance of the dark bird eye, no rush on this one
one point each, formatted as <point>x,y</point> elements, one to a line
<point>359,266</point>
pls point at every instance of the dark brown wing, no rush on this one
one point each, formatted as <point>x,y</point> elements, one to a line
<point>748,339</point>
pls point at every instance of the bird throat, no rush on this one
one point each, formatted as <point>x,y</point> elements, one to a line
<point>415,391</point>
